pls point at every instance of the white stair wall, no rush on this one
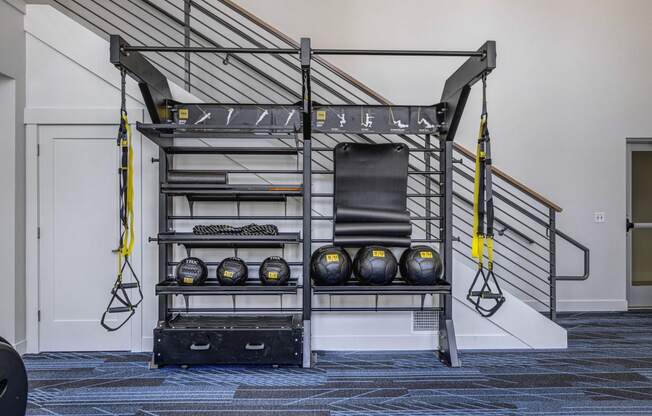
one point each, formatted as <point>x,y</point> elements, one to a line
<point>515,325</point>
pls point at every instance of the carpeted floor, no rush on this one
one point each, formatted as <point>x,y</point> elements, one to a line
<point>606,370</point>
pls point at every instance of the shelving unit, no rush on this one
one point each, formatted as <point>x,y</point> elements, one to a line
<point>200,335</point>
<point>286,332</point>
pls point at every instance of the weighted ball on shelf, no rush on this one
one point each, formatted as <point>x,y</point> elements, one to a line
<point>420,265</point>
<point>330,266</point>
<point>274,271</point>
<point>232,271</point>
<point>13,382</point>
<point>375,265</point>
<point>191,271</point>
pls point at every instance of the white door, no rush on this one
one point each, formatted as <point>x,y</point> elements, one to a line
<point>639,215</point>
<point>78,209</point>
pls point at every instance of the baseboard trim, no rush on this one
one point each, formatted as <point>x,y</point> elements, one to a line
<point>597,305</point>
<point>375,342</point>
<point>148,344</point>
<point>21,347</point>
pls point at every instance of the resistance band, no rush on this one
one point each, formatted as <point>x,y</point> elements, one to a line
<point>119,293</point>
<point>483,222</point>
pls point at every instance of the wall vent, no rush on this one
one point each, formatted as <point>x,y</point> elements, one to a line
<point>425,321</point>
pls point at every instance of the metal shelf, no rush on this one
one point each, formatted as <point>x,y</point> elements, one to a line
<point>397,288</point>
<point>210,192</point>
<point>266,151</point>
<point>213,288</point>
<point>190,240</point>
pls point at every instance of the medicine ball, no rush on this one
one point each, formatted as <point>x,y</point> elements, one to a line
<point>421,265</point>
<point>191,271</point>
<point>232,271</point>
<point>375,265</point>
<point>13,382</point>
<point>274,271</point>
<point>330,266</point>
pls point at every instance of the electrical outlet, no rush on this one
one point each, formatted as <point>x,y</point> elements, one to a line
<point>599,217</point>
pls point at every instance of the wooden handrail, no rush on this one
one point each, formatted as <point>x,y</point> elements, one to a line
<point>382,100</point>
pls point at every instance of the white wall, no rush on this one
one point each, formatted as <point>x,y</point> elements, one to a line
<point>572,83</point>
<point>12,172</point>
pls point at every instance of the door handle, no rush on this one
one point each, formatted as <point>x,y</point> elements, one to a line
<point>254,347</point>
<point>200,347</point>
<point>629,225</point>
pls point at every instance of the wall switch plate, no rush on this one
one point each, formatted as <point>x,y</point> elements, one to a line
<point>599,217</point>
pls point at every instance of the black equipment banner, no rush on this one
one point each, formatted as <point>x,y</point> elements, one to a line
<point>325,118</point>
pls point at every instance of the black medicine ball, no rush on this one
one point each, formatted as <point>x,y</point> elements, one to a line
<point>421,265</point>
<point>375,265</point>
<point>232,271</point>
<point>274,271</point>
<point>330,266</point>
<point>191,271</point>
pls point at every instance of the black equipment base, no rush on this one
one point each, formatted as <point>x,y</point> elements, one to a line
<point>236,339</point>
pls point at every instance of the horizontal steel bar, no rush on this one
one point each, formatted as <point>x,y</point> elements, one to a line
<point>411,150</point>
<point>292,51</point>
<point>236,218</point>
<point>411,195</point>
<point>394,52</point>
<point>209,49</point>
<point>414,218</point>
<point>230,310</point>
<point>378,309</point>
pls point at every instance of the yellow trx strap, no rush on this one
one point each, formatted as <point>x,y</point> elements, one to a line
<point>127,245</point>
<point>119,295</point>
<point>484,293</point>
<point>477,245</point>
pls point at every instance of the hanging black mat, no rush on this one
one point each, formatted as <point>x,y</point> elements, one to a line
<point>370,201</point>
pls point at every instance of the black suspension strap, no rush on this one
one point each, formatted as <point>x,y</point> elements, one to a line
<point>120,301</point>
<point>489,298</point>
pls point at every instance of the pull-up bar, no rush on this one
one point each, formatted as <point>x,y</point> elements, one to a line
<point>291,51</point>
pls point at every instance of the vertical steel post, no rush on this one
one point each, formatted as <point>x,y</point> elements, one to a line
<point>186,40</point>
<point>305,57</point>
<point>552,235</point>
<point>447,342</point>
<point>163,249</point>
<point>428,186</point>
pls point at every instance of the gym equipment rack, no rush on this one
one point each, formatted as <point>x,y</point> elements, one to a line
<point>173,121</point>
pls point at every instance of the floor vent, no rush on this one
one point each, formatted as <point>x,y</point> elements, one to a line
<point>425,321</point>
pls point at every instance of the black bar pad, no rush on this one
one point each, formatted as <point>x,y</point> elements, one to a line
<point>128,285</point>
<point>371,176</point>
<point>119,309</point>
<point>366,240</point>
<point>197,176</point>
<point>348,214</point>
<point>399,229</point>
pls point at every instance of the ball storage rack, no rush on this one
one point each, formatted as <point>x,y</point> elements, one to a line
<point>282,335</point>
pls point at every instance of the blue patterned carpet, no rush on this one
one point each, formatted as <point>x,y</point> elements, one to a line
<point>606,371</point>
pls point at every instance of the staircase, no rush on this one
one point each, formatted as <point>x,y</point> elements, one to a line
<point>525,247</point>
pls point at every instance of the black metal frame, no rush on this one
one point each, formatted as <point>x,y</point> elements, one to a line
<point>160,103</point>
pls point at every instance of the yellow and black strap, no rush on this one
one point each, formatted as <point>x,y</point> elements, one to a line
<point>120,301</point>
<point>483,222</point>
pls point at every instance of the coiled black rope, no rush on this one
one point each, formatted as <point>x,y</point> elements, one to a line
<point>224,229</point>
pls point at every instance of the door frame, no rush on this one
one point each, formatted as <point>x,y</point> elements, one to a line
<point>35,118</point>
<point>629,143</point>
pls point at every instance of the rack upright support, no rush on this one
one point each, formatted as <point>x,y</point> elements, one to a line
<point>307,198</point>
<point>447,343</point>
